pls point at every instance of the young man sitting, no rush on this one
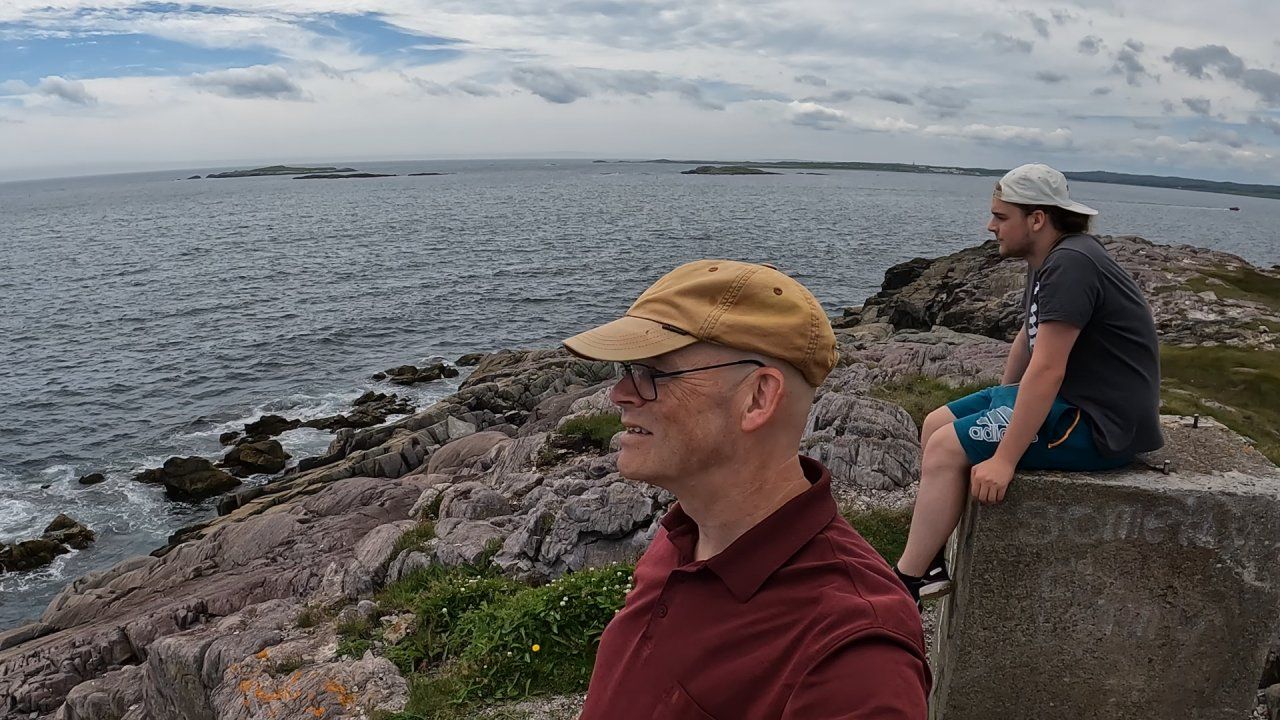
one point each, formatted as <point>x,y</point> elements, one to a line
<point>1081,387</point>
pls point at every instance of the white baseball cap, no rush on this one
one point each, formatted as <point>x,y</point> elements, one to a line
<point>1038,184</point>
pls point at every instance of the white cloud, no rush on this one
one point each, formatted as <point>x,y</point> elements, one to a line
<point>259,81</point>
<point>817,116</point>
<point>53,86</point>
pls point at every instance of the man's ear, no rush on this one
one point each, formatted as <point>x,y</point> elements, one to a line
<point>767,389</point>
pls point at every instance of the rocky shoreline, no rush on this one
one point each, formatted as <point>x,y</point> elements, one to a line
<point>220,622</point>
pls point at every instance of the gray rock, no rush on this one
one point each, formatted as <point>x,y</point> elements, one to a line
<point>864,442</point>
<point>106,698</point>
<point>1047,587</point>
<point>190,478</point>
<point>92,479</point>
<point>465,453</point>
<point>252,458</point>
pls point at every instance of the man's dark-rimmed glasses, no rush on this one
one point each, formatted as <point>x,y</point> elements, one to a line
<point>645,378</point>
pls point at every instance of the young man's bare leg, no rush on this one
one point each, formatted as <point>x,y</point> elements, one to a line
<point>944,485</point>
<point>933,421</point>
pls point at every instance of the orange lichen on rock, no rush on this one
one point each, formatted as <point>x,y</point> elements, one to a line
<point>345,698</point>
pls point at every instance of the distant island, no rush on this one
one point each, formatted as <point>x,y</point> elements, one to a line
<point>1098,176</point>
<point>341,176</point>
<point>726,170</point>
<point>278,170</point>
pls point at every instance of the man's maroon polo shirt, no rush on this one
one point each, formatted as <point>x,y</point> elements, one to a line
<point>798,619</point>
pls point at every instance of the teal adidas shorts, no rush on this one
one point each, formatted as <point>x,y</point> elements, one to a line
<point>1064,442</point>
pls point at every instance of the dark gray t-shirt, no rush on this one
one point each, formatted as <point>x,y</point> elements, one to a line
<point>1113,372</point>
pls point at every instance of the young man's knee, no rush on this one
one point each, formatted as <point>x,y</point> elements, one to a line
<point>944,446</point>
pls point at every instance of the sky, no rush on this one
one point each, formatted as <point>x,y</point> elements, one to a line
<point>1168,87</point>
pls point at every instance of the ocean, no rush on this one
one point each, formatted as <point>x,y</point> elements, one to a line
<point>145,314</point>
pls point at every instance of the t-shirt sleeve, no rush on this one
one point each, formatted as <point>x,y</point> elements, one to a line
<point>877,677</point>
<point>1070,288</point>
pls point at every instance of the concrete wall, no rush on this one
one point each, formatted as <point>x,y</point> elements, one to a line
<point>1117,595</point>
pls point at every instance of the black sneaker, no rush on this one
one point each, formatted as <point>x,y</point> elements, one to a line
<point>935,582</point>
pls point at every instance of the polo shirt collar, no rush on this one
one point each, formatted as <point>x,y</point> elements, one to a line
<point>750,560</point>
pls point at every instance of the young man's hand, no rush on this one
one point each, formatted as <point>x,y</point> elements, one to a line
<point>989,479</point>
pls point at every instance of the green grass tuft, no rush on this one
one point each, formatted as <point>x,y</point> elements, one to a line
<point>1245,380</point>
<point>596,430</point>
<point>920,395</point>
<point>884,528</point>
<point>1241,284</point>
<point>355,637</point>
<point>416,538</point>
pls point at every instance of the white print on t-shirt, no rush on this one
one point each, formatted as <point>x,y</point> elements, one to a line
<point>1033,319</point>
<point>992,426</point>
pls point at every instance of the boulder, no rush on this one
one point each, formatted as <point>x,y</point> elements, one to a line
<point>252,458</point>
<point>92,479</point>
<point>1126,594</point>
<point>464,453</point>
<point>59,538</point>
<point>412,375</point>
<point>368,410</point>
<point>267,426</point>
<point>469,360</point>
<point>190,478</point>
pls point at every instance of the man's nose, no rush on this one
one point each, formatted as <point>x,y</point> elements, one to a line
<point>623,393</point>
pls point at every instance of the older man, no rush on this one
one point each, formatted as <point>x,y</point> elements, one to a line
<point>755,599</point>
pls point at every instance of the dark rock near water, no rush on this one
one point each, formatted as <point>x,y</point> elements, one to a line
<point>370,409</point>
<point>194,177</point>
<point>412,375</point>
<point>191,478</point>
<point>92,479</point>
<point>228,438</point>
<point>253,458</point>
<point>268,426</point>
<point>58,538</point>
<point>469,360</point>
<point>425,174</point>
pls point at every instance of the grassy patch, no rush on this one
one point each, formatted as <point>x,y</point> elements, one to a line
<point>885,529</point>
<point>481,637</point>
<point>594,430</point>
<point>1241,284</point>
<point>355,637</point>
<point>309,617</point>
<point>1247,381</point>
<point>920,395</point>
<point>416,538</point>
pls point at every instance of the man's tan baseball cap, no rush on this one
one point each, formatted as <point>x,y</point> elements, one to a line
<point>748,307</point>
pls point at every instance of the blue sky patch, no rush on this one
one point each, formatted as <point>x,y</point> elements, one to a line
<point>95,56</point>
<point>369,34</point>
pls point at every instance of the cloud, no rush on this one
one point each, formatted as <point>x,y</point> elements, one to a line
<point>1062,17</point>
<point>1091,45</point>
<point>1204,152</point>
<point>1135,45</point>
<point>1197,62</point>
<point>835,96</point>
<point>1265,122</point>
<point>945,100</point>
<point>567,86</point>
<point>813,80</point>
<point>1007,43</point>
<point>54,86</point>
<point>1100,91</point>
<point>1027,137</point>
<point>1128,64</point>
<point>1263,82</point>
<point>256,82</point>
<point>1040,25</point>
<point>1049,77</point>
<point>892,96</point>
<point>1147,125</point>
<point>1199,106</point>
<point>1230,138</point>
<point>816,116</point>
<point>458,87</point>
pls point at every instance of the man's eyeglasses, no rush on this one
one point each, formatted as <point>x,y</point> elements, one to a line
<point>645,379</point>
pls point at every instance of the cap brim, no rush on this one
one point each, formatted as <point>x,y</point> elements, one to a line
<point>627,338</point>
<point>1076,207</point>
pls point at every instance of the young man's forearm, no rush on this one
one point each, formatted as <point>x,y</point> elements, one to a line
<point>1036,394</point>
<point>1019,356</point>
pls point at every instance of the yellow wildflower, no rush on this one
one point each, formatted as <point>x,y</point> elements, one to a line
<point>536,647</point>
